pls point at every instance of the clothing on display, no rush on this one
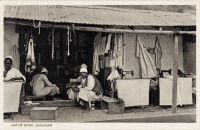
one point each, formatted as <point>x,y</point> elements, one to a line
<point>30,58</point>
<point>146,62</point>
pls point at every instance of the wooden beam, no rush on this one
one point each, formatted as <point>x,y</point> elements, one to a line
<point>43,25</point>
<point>98,29</point>
<point>175,73</point>
<point>109,30</point>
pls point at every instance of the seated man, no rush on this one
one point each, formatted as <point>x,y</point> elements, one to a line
<point>42,86</point>
<point>89,89</point>
<point>10,73</point>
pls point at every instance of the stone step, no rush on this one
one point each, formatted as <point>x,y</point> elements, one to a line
<point>44,113</point>
<point>58,103</point>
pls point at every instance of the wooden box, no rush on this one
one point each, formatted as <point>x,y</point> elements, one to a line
<point>44,113</point>
<point>112,106</point>
<point>25,109</point>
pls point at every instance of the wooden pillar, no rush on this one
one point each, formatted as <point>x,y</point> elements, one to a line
<point>175,73</point>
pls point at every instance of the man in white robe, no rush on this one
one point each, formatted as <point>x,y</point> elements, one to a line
<point>10,73</point>
<point>89,89</point>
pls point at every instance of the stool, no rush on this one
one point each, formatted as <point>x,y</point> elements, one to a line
<point>112,106</point>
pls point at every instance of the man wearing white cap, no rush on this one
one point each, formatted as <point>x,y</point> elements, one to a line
<point>89,89</point>
<point>10,73</point>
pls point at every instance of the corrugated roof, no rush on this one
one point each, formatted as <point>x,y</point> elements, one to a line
<point>98,15</point>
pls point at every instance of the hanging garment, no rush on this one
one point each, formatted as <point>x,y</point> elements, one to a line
<point>158,53</point>
<point>102,46</point>
<point>146,62</point>
<point>30,58</point>
<point>117,53</point>
<point>14,52</point>
<point>99,49</point>
<point>108,43</point>
<point>97,41</point>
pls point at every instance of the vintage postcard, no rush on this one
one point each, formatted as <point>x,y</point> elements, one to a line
<point>99,64</point>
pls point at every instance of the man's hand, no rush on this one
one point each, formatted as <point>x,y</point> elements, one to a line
<point>5,73</point>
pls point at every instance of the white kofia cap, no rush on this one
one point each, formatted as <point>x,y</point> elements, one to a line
<point>44,70</point>
<point>10,57</point>
<point>84,66</point>
<point>83,70</point>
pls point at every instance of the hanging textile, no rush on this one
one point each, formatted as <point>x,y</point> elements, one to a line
<point>146,62</point>
<point>119,51</point>
<point>116,53</point>
<point>30,58</point>
<point>108,43</point>
<point>97,42</point>
<point>158,53</point>
<point>14,52</point>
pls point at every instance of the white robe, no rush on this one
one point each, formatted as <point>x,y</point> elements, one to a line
<point>85,92</point>
<point>14,73</point>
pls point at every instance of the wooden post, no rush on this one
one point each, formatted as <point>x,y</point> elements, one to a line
<point>175,73</point>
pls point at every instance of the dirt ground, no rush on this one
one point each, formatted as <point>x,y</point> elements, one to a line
<point>132,114</point>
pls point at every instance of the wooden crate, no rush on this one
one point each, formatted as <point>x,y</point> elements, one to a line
<point>25,109</point>
<point>44,113</point>
<point>112,106</point>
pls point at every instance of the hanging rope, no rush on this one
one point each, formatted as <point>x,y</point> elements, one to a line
<point>38,26</point>
<point>68,41</point>
<point>52,52</point>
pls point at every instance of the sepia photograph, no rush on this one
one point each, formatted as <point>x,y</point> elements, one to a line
<point>98,63</point>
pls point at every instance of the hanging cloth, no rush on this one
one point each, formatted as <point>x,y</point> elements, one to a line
<point>108,43</point>
<point>14,52</point>
<point>97,43</point>
<point>119,51</point>
<point>146,62</point>
<point>158,53</point>
<point>30,58</point>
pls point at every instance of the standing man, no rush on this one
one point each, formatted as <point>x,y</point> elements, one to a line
<point>10,73</point>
